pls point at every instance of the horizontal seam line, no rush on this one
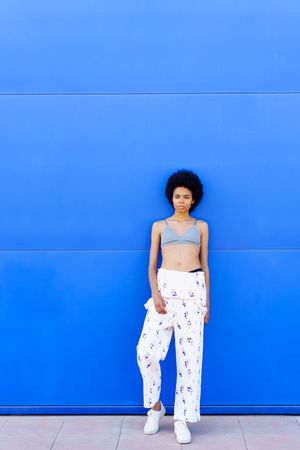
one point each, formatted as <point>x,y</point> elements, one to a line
<point>86,94</point>
<point>146,249</point>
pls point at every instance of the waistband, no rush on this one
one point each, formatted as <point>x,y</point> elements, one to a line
<point>180,273</point>
<point>196,270</point>
<point>180,284</point>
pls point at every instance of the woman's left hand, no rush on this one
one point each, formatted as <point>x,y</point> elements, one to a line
<point>206,317</point>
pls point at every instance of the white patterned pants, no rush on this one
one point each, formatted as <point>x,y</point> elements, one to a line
<point>185,297</point>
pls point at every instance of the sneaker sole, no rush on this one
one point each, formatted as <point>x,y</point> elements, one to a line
<point>151,432</point>
<point>183,442</point>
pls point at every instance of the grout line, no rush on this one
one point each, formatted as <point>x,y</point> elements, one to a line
<point>242,431</point>
<point>4,424</point>
<point>120,433</point>
<point>57,434</point>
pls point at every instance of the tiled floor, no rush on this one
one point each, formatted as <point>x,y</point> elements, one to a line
<point>245,432</point>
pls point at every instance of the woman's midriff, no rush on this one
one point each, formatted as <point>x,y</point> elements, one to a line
<point>184,257</point>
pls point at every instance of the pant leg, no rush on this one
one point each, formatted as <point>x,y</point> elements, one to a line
<point>188,331</point>
<point>152,347</point>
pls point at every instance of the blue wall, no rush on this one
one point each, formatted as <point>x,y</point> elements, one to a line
<point>100,102</point>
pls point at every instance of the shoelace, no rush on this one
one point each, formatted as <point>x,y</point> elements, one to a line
<point>181,423</point>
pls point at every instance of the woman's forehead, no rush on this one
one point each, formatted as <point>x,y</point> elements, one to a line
<point>182,190</point>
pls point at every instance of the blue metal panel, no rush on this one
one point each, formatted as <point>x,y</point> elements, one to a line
<point>74,168</point>
<point>149,46</point>
<point>82,178</point>
<point>70,322</point>
<point>66,330</point>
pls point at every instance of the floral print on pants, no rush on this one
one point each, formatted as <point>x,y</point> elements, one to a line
<point>185,297</point>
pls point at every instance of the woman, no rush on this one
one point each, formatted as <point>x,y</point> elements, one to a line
<point>179,303</point>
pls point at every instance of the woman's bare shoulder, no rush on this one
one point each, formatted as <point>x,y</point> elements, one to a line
<point>158,225</point>
<point>202,224</point>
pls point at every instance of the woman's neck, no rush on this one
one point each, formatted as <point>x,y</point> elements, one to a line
<point>181,217</point>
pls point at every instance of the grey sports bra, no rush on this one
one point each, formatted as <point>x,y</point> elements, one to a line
<point>191,236</point>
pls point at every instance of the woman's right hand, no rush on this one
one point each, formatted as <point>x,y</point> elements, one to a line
<point>160,304</point>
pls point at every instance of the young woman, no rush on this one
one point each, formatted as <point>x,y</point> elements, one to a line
<point>179,303</point>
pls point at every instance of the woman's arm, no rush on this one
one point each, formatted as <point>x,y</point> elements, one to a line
<point>153,258</point>
<point>204,264</point>
<point>152,268</point>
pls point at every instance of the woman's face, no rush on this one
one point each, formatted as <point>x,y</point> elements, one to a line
<point>182,199</point>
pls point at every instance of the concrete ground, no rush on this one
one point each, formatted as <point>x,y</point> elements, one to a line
<point>110,432</point>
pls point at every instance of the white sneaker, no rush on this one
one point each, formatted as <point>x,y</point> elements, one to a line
<point>183,434</point>
<point>152,424</point>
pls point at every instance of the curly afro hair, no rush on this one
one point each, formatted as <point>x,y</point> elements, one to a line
<point>187,179</point>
